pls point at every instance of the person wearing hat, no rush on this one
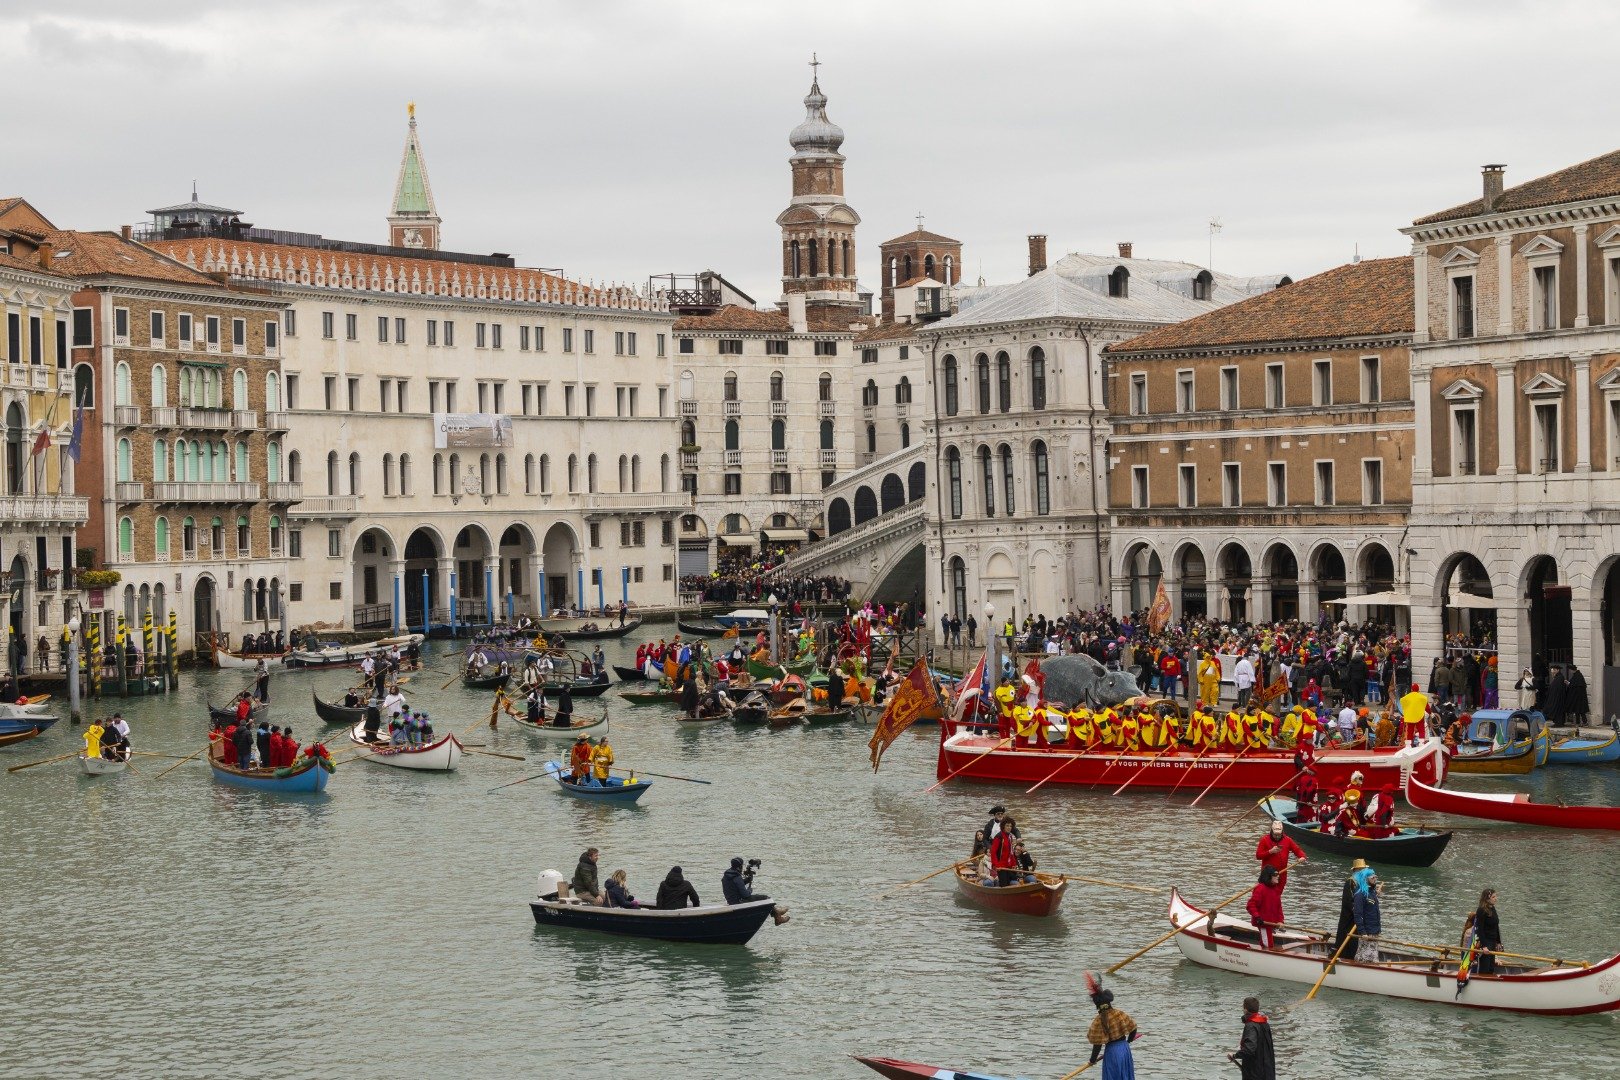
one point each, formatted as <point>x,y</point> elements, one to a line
<point>579,759</point>
<point>1275,849</point>
<point>1255,1054</point>
<point>1369,917</point>
<point>1111,1033</point>
<point>601,761</point>
<point>992,828</point>
<point>1347,905</point>
<point>1414,706</point>
<point>1348,820</point>
<point>1306,792</point>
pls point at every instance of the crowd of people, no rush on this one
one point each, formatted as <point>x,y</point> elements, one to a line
<point>246,745</point>
<point>750,579</point>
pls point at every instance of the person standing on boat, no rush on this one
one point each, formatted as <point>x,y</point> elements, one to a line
<point>261,680</point>
<point>1004,855</point>
<point>565,707</point>
<point>1111,1033</point>
<point>261,740</point>
<point>579,760</point>
<point>1414,706</point>
<point>242,740</point>
<point>92,739</point>
<point>602,761</point>
<point>1265,906</point>
<point>1275,849</point>
<point>535,703</point>
<point>1347,905</point>
<point>689,695</point>
<point>1487,932</point>
<point>1369,919</point>
<point>1255,1055</point>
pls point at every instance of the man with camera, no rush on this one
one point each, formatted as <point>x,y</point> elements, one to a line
<point>738,885</point>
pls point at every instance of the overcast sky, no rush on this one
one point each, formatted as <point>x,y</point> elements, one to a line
<point>622,138</point>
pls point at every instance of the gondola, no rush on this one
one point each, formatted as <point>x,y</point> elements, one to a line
<point>897,1069</point>
<point>743,617</point>
<point>1408,847</point>
<point>753,709</point>
<point>227,715</point>
<point>1493,745</point>
<point>1516,808</point>
<point>573,731</point>
<point>102,766</point>
<point>714,924</point>
<point>19,725</point>
<point>630,674</point>
<point>308,775</point>
<point>706,628</point>
<point>599,633</point>
<point>1515,760</point>
<point>1039,898</point>
<point>443,755</point>
<point>614,790</point>
<point>336,653</point>
<point>650,697</point>
<point>338,714</point>
<point>20,736</point>
<point>579,687</point>
<point>247,661</point>
<point>487,681</point>
<point>1578,750</point>
<point>1561,988</point>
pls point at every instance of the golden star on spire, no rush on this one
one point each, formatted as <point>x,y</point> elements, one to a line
<point>410,108</point>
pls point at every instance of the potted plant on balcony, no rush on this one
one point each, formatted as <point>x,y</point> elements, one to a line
<point>100,579</point>
<point>50,574</point>
<point>690,448</point>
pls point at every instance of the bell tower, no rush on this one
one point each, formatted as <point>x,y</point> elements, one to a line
<point>414,221</point>
<point>818,227</point>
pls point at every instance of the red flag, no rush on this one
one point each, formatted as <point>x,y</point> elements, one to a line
<point>969,690</point>
<point>914,695</point>
<point>43,442</point>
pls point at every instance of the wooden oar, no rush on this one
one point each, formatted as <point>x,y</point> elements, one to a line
<point>1142,769</point>
<point>970,762</point>
<point>1069,759</point>
<point>1235,759</point>
<point>514,783</point>
<point>1175,929</point>
<point>661,776</point>
<point>1081,1069</point>
<point>919,881</point>
<point>183,760</point>
<point>1347,939</point>
<point>47,761</point>
<point>489,753</point>
<point>1196,759</point>
<point>1105,881</point>
<point>453,678</point>
<point>130,765</point>
<point>1261,802</point>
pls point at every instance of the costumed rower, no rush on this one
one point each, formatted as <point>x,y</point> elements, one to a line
<point>1111,1033</point>
<point>1274,850</point>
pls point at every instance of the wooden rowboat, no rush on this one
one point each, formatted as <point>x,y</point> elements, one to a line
<point>614,790</point>
<point>650,697</point>
<point>1408,847</point>
<point>100,766</point>
<point>487,681</point>
<point>601,632</point>
<point>307,775</point>
<point>579,686</point>
<point>577,728</point>
<point>714,924</point>
<point>1515,807</point>
<point>1039,898</point>
<point>1562,988</point>
<point>630,674</point>
<point>338,714</point>
<point>247,661</point>
<point>441,756</point>
<point>897,1069</point>
<point>20,736</point>
<point>1577,750</point>
<point>259,711</point>
<point>703,628</point>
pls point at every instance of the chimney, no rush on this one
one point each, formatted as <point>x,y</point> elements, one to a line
<point>1124,249</point>
<point>797,322</point>
<point>125,231</point>
<point>47,251</point>
<point>1493,185</point>
<point>1037,253</point>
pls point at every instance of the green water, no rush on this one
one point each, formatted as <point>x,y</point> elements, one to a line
<point>180,928</point>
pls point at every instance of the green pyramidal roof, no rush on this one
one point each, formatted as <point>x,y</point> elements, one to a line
<point>411,193</point>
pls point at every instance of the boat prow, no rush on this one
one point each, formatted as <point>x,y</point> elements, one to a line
<point>714,924</point>
<point>1038,898</point>
<point>441,756</point>
<point>898,1069</point>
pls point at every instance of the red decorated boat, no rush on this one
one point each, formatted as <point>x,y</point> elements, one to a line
<point>898,1069</point>
<point>1515,807</point>
<point>1040,897</point>
<point>972,755</point>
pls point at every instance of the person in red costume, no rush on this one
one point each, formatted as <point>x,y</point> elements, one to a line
<point>1305,795</point>
<point>317,750</point>
<point>228,736</point>
<point>1274,850</point>
<point>1379,819</point>
<point>1265,905</point>
<point>1004,855</point>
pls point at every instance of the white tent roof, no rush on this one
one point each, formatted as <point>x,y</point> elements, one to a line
<point>1377,599</point>
<point>1470,601</point>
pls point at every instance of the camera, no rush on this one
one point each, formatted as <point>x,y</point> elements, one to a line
<point>752,867</point>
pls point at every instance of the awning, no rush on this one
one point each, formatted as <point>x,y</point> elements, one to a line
<point>787,534</point>
<point>1471,602</point>
<point>1377,599</point>
<point>746,540</point>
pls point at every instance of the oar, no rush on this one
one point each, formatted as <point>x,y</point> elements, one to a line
<point>661,776</point>
<point>453,678</point>
<point>1347,939</point>
<point>1069,759</point>
<point>1104,881</point>
<point>1235,759</point>
<point>130,765</point>
<point>1115,761</point>
<point>1142,768</point>
<point>1261,802</point>
<point>514,783</point>
<point>182,761</point>
<point>148,753</point>
<point>47,761</point>
<point>490,753</point>
<point>1175,929</point>
<point>919,881</point>
<point>970,762</point>
<point>1196,759</point>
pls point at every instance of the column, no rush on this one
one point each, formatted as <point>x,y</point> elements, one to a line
<point>1428,633</point>
<point>396,571</point>
<point>445,586</point>
<point>534,566</point>
<point>1309,605</point>
<point>1260,599</point>
<point>1583,409</point>
<point>490,563</point>
<point>427,602</point>
<point>1422,431</point>
<point>1504,285</point>
<point>1507,435</point>
<point>1420,293</point>
<point>1582,316</point>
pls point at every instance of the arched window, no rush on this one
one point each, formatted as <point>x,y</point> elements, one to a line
<point>221,460</point>
<point>983,365</point>
<point>182,459</point>
<point>573,473</point>
<point>185,387</point>
<point>121,384</point>
<point>635,472</point>
<point>928,266</point>
<point>388,475</point>
<point>528,474</point>
<point>688,433</point>
<point>188,535</point>
<point>907,265</point>
<point>958,587</point>
<point>354,474</point>
<point>688,389</point>
<point>126,539</point>
<point>404,474</point>
<point>1003,382</point>
<point>272,391</point>
<point>1043,483</point>
<point>453,470</point>
<point>1119,282</point>
<point>243,535</point>
<point>216,535</point>
<point>952,391</point>
<point>1203,286</point>
<point>827,435</point>
<point>202,462</point>
<point>295,467</point>
<point>778,434</point>
<point>894,272</point>
<point>844,262</point>
<point>239,394</point>
<point>987,475</point>
<point>902,391</point>
<point>590,474</point>
<point>125,468</point>
<point>272,462</point>
<point>1037,378</point>
<point>500,474</point>
<point>545,474</point>
<point>483,475</point>
<point>624,472</point>
<point>160,538</point>
<point>438,474</point>
<point>332,473</point>
<point>84,386</point>
<point>242,474</point>
<point>869,393</point>
<point>663,472</point>
<point>732,435</point>
<point>793,253</point>
<point>824,387</point>
<point>160,387</point>
<point>777,386</point>
<point>1007,478</point>
<point>953,472</point>
<point>160,460</point>
<point>871,438</point>
<point>905,435</point>
<point>275,544</point>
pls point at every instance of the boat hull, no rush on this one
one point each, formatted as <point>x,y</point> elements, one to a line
<point>896,1069</point>
<point>1038,899</point>
<point>308,780</point>
<point>442,756</point>
<point>602,633</point>
<point>485,682</point>
<point>19,736</point>
<point>1300,959</point>
<point>1409,847</point>
<point>339,655</point>
<point>580,688</point>
<point>249,661</point>
<point>629,674</point>
<point>337,714</point>
<point>971,756</point>
<point>616,791</point>
<point>1516,808</point>
<point>19,724</point>
<point>100,766</point>
<point>551,731</point>
<point>722,924</point>
<point>1578,751</point>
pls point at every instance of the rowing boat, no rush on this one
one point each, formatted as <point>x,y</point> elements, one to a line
<point>579,686</point>
<point>247,661</point>
<point>1577,750</point>
<point>1408,847</point>
<point>705,628</point>
<point>308,775</point>
<point>336,653</point>
<point>21,724</point>
<point>20,736</point>
<point>100,766</point>
<point>650,697</point>
<point>1515,807</point>
<point>713,924</point>
<point>1040,897</point>
<point>600,632</point>
<point>260,710</point>
<point>338,714</point>
<point>630,674</point>
<point>441,756</point>
<point>612,790</point>
<point>898,1069</point>
<point>1563,988</point>
<point>487,681</point>
<point>577,728</point>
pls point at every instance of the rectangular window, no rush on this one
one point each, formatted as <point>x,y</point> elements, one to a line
<point>1322,382</point>
<point>36,340</point>
<point>595,536</point>
<point>328,324</point>
<point>271,338</point>
<point>449,334</point>
<point>1274,386</point>
<point>1139,486</point>
<point>382,329</point>
<point>568,399</point>
<point>1276,483</point>
<point>1231,484</point>
<point>661,339</point>
<point>590,341</point>
<point>334,543</point>
<point>330,393</point>
<point>666,532</point>
<point>669,572</point>
<point>618,401</point>
<point>826,348</point>
<point>1138,405</point>
<point>1464,442</point>
<point>1546,437</point>
<point>239,334</point>
<point>527,395</point>
<point>1324,483</point>
<point>539,339</point>
<point>729,348</point>
<point>905,352</point>
<point>185,331</point>
<point>1544,298</point>
<point>540,399</point>
<point>157,329</point>
<point>354,393</point>
<point>523,339</point>
<point>121,326</point>
<point>590,401</point>
<point>1229,388</point>
<point>733,483</point>
<point>663,401</point>
<point>399,395</point>
<point>433,331</point>
<point>630,340</point>
<point>781,483</point>
<point>450,396</point>
<point>1462,307</point>
<point>779,347</point>
<point>480,332</point>
<point>351,326</point>
<point>1186,485</point>
<point>62,355</point>
<point>684,345</point>
<point>568,339</point>
<point>1372,482</point>
<point>498,397</point>
<point>399,331</point>
<point>483,397</point>
<point>211,325</point>
<point>618,343</point>
<point>869,356</point>
<point>494,335</point>
<point>1371,384</point>
<point>384,386</point>
<point>292,391</point>
<point>295,544</point>
<point>289,322</point>
<point>433,395</point>
<point>334,590</point>
<point>84,327</point>
<point>1186,397</point>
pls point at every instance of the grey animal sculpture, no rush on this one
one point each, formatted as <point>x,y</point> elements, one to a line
<point>1078,679</point>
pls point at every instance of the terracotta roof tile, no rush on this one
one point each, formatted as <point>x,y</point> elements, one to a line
<point>1355,300</point>
<point>18,262</point>
<point>886,332</point>
<point>920,236</point>
<point>736,319</point>
<point>1595,179</point>
<point>93,254</point>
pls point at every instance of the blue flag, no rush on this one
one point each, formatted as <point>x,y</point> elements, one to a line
<point>77,441</point>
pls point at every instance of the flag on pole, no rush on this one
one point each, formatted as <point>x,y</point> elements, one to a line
<point>76,443</point>
<point>969,690</point>
<point>911,698</point>
<point>41,441</point>
<point>1159,614</point>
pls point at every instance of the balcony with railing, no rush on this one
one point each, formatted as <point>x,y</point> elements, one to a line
<point>205,491</point>
<point>826,409</point>
<point>902,410</point>
<point>275,420</point>
<point>127,416</point>
<point>829,459</point>
<point>779,408</point>
<point>244,419</point>
<point>208,419</point>
<point>45,509</point>
<point>732,409</point>
<point>733,459</point>
<point>646,502</point>
<point>689,408</point>
<point>284,491</point>
<point>163,416</point>
<point>326,506</point>
<point>779,459</point>
<point>126,491</point>
<point>688,459</point>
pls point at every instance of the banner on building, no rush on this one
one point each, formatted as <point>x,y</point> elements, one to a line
<point>1159,614</point>
<point>472,431</point>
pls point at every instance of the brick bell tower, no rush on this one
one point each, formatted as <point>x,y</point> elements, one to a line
<point>818,227</point>
<point>414,221</point>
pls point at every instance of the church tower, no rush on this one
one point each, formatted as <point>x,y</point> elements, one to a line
<point>413,222</point>
<point>818,227</point>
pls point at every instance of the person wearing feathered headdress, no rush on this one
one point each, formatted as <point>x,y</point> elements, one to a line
<point>1111,1033</point>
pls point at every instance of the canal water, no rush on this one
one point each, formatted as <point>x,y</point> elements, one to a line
<point>177,928</point>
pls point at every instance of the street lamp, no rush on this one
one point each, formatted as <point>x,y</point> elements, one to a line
<point>992,652</point>
<point>73,670</point>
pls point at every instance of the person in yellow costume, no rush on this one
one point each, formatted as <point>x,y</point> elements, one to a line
<point>1414,707</point>
<point>1023,725</point>
<point>1231,734</point>
<point>1257,730</point>
<point>1211,727</point>
<point>1042,722</point>
<point>92,739</point>
<point>1130,731</point>
<point>1170,728</point>
<point>1080,731</point>
<point>1209,680</point>
<point>1288,733</point>
<point>601,760</point>
<point>1152,730</point>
